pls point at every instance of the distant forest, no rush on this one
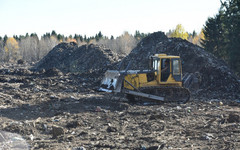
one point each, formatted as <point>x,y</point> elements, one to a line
<point>220,36</point>
<point>31,48</point>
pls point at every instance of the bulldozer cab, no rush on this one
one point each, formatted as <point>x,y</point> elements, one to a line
<point>167,68</point>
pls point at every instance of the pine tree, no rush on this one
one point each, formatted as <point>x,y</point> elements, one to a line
<point>112,37</point>
<point>222,34</point>
<point>232,23</point>
<point>54,33</point>
<point>5,39</point>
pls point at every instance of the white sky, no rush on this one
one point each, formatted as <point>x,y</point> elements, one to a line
<point>111,17</point>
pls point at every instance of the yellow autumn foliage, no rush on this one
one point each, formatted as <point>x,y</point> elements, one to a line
<point>198,38</point>
<point>11,49</point>
<point>179,32</point>
<point>71,40</point>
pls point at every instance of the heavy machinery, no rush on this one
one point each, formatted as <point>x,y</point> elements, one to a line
<point>162,81</point>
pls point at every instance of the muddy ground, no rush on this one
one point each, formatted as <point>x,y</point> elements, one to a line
<point>52,110</point>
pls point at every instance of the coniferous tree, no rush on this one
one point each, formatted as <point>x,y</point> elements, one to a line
<point>232,23</point>
<point>54,33</point>
<point>112,37</point>
<point>5,39</point>
<point>222,34</point>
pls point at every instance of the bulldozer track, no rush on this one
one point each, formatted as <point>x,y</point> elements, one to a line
<point>170,94</point>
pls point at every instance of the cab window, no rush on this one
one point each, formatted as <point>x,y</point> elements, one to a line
<point>155,64</point>
<point>176,67</point>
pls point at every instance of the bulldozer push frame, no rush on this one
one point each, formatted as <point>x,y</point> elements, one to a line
<point>162,81</point>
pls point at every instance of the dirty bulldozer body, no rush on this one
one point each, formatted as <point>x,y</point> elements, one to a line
<point>161,82</point>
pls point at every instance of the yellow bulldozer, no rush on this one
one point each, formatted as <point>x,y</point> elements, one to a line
<point>161,81</point>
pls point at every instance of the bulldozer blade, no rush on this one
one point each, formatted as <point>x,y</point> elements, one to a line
<point>145,95</point>
<point>112,81</point>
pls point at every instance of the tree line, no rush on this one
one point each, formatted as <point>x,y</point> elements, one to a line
<point>31,48</point>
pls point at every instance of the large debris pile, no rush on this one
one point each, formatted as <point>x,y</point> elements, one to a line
<point>68,57</point>
<point>209,76</point>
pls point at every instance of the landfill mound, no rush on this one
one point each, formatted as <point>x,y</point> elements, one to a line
<point>207,75</point>
<point>68,57</point>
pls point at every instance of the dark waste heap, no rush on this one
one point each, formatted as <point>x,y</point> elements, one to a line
<point>68,57</point>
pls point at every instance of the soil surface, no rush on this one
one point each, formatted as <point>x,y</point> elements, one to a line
<point>55,103</point>
<point>63,111</point>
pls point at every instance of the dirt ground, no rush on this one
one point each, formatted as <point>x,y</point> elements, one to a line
<point>66,112</point>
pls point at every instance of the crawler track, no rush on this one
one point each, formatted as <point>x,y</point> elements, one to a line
<point>170,94</point>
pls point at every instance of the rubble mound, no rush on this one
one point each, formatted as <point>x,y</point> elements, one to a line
<point>210,77</point>
<point>53,72</point>
<point>68,57</point>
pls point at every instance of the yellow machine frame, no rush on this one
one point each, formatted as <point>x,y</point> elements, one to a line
<point>139,79</point>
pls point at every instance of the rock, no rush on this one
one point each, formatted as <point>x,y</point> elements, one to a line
<point>111,129</point>
<point>79,148</point>
<point>157,117</point>
<point>57,131</point>
<point>73,124</point>
<point>208,136</point>
<point>41,71</point>
<point>20,61</point>
<point>155,147</point>
<point>53,72</point>
<point>31,137</point>
<point>233,118</point>
<point>10,140</point>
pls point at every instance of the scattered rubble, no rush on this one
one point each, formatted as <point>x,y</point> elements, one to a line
<point>60,112</point>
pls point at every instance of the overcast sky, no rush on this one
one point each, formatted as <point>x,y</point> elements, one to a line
<point>111,17</point>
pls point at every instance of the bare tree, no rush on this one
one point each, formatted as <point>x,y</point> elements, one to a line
<point>32,49</point>
<point>29,49</point>
<point>2,54</point>
<point>46,44</point>
<point>123,44</point>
